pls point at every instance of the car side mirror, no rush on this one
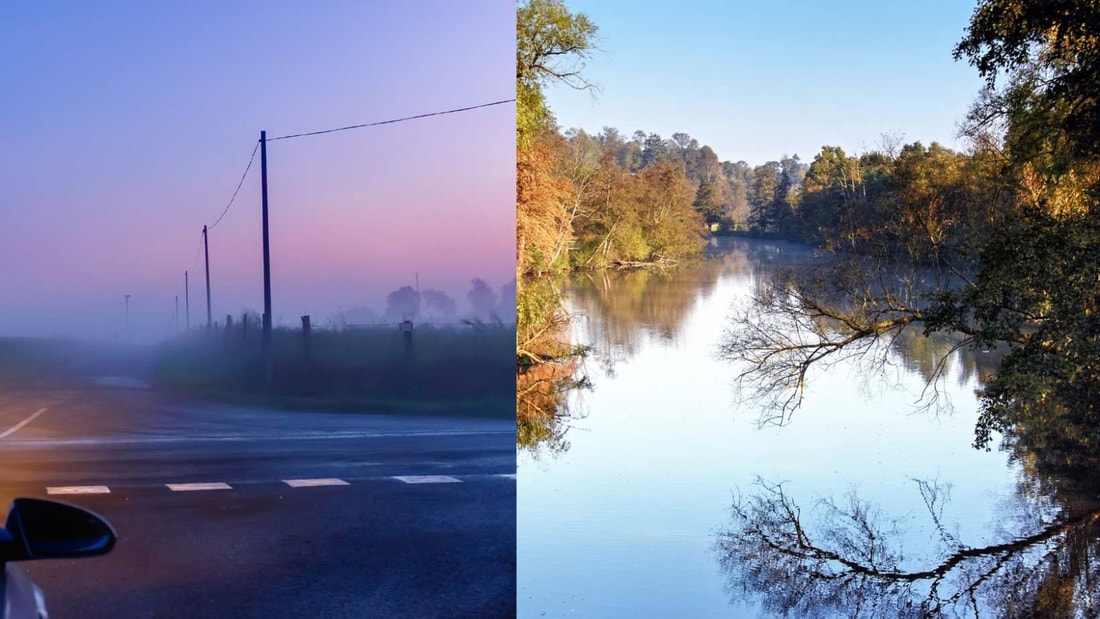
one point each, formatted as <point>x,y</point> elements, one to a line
<point>40,529</point>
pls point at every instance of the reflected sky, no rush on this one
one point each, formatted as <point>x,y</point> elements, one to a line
<point>623,523</point>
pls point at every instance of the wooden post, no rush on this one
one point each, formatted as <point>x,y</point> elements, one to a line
<point>206,250</point>
<point>268,358</point>
<point>305,337</point>
<point>407,330</point>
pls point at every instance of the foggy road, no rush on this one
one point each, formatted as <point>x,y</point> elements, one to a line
<point>238,511</point>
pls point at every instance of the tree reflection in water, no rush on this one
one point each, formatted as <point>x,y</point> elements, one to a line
<point>620,309</point>
<point>628,307</point>
<point>542,404</point>
<point>845,558</point>
<point>549,367</point>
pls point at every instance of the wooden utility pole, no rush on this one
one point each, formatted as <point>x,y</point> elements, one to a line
<point>127,317</point>
<point>206,249</point>
<point>267,257</point>
<point>186,301</point>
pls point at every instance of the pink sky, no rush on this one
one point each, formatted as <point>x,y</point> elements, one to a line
<point>126,132</point>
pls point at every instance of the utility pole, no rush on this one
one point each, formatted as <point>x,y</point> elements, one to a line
<point>187,301</point>
<point>267,257</point>
<point>127,318</point>
<point>206,248</point>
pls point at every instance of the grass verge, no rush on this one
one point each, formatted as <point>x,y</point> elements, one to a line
<point>448,371</point>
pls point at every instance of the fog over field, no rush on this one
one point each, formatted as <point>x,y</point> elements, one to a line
<point>127,132</point>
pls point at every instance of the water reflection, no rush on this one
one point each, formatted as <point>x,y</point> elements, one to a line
<point>844,556</point>
<point>550,370</point>
<point>627,306</point>
<point>618,307</point>
<point>848,558</point>
<point>542,404</point>
<point>623,523</point>
<point>814,312</point>
<point>622,309</point>
<point>939,355</point>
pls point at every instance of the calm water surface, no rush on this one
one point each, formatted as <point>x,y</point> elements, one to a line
<point>624,522</point>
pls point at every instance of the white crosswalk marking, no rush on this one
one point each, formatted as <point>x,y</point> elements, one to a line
<point>78,490</point>
<point>308,483</point>
<point>293,483</point>
<point>192,487</point>
<point>427,479</point>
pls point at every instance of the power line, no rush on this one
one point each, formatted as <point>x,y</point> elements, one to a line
<point>198,250</point>
<point>389,122</point>
<point>238,189</point>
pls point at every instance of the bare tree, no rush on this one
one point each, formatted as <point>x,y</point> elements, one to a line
<point>846,559</point>
<point>813,317</point>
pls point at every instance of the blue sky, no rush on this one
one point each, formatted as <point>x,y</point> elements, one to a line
<point>127,124</point>
<point>756,80</point>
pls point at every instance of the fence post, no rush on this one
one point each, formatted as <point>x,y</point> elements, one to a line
<point>269,356</point>
<point>407,330</point>
<point>305,336</point>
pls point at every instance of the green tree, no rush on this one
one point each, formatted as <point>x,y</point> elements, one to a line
<point>672,226</point>
<point>762,193</point>
<point>739,180</point>
<point>1032,285</point>
<point>710,204</point>
<point>1049,51</point>
<point>655,150</point>
<point>551,47</point>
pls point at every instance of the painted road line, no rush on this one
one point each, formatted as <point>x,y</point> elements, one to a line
<point>427,479</point>
<point>192,487</point>
<point>158,440</point>
<point>309,483</point>
<point>19,425</point>
<point>78,490</point>
<point>511,476</point>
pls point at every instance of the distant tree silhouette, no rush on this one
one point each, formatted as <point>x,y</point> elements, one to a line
<point>439,305</point>
<point>482,299</point>
<point>506,308</point>
<point>403,304</point>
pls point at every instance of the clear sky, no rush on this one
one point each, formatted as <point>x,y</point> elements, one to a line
<point>756,80</point>
<point>126,125</point>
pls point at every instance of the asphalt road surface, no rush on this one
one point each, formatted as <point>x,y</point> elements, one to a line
<point>229,511</point>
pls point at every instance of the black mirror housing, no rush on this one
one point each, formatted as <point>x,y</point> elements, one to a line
<point>41,529</point>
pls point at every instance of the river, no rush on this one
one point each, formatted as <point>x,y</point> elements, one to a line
<point>631,514</point>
